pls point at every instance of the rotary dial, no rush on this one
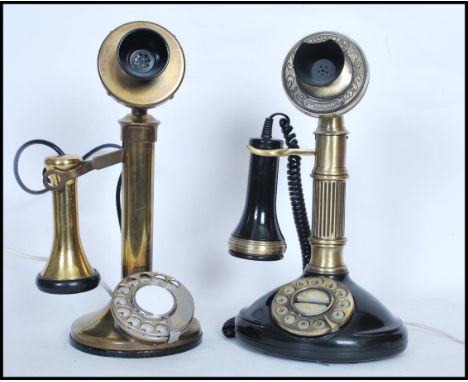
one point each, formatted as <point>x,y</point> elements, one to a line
<point>312,306</point>
<point>147,326</point>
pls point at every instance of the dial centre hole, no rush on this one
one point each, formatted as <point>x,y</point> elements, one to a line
<point>154,300</point>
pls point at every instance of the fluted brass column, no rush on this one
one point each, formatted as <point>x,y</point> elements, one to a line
<point>329,189</point>
<point>138,136</point>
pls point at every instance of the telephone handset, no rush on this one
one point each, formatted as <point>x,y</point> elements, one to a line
<point>323,315</point>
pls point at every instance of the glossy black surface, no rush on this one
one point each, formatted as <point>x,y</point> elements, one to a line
<point>68,286</point>
<point>259,221</point>
<point>372,333</point>
<point>143,53</point>
<point>318,64</point>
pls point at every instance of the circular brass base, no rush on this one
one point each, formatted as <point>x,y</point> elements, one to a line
<point>96,333</point>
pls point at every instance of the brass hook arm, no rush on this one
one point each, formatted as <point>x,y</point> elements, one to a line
<point>280,152</point>
<point>96,163</point>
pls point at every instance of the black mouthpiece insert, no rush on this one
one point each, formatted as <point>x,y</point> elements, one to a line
<point>318,64</point>
<point>143,53</point>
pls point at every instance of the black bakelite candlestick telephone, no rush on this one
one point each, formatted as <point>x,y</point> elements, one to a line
<point>323,315</point>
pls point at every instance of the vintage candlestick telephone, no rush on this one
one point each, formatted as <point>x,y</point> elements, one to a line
<point>141,65</point>
<point>323,315</point>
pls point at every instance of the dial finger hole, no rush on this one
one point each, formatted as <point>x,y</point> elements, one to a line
<point>289,290</point>
<point>281,299</point>
<point>303,324</point>
<point>123,312</point>
<point>145,277</point>
<point>302,283</point>
<point>162,329</point>
<point>120,300</point>
<point>147,328</point>
<point>124,290</point>
<point>343,304</point>
<point>289,319</point>
<point>340,293</point>
<point>132,282</point>
<point>281,310</point>
<point>338,314</point>
<point>319,324</point>
<point>133,321</point>
<point>316,281</point>
<point>330,285</point>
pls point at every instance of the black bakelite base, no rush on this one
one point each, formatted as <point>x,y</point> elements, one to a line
<point>134,354</point>
<point>68,286</point>
<point>372,333</point>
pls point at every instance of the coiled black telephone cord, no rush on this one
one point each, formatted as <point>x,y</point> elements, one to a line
<point>296,193</point>
<point>59,151</point>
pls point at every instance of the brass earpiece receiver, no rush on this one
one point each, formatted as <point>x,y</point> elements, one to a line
<point>322,315</point>
<point>68,270</point>
<point>141,65</point>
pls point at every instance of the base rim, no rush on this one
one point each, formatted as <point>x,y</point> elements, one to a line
<point>134,353</point>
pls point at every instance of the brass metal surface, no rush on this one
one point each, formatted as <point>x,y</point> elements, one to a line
<point>67,260</point>
<point>99,331</point>
<point>96,163</point>
<point>133,92</point>
<point>256,247</point>
<point>279,152</point>
<point>329,189</point>
<point>138,136</point>
<point>342,94</point>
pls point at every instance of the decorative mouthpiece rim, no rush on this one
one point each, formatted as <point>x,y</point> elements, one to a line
<point>334,104</point>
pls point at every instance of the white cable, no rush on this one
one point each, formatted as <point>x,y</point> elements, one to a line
<point>106,287</point>
<point>435,330</point>
<point>109,291</point>
<point>24,255</point>
<point>12,251</point>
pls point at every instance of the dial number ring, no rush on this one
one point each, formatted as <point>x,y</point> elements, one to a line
<point>146,326</point>
<point>312,306</point>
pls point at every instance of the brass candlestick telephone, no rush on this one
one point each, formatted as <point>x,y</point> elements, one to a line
<point>141,65</point>
<point>323,315</point>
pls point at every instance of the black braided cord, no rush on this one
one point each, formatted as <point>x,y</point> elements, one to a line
<point>296,193</point>
<point>229,328</point>
<point>59,151</point>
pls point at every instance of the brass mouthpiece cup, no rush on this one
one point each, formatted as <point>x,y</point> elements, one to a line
<point>141,64</point>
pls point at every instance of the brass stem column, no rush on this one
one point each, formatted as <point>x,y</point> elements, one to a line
<point>138,136</point>
<point>329,189</point>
